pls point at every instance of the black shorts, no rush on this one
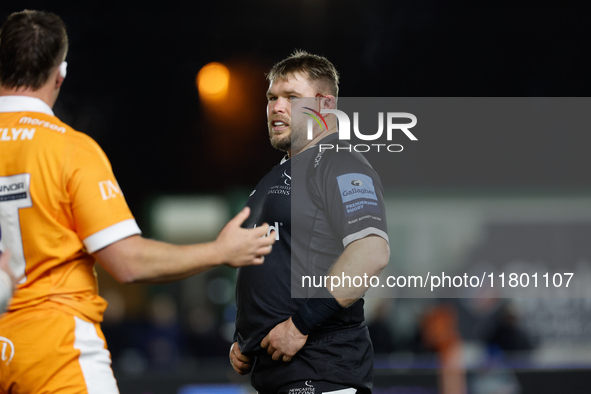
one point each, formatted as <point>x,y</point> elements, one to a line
<point>315,387</point>
<point>341,357</point>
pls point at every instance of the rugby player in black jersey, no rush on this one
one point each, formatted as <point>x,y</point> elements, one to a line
<point>327,210</point>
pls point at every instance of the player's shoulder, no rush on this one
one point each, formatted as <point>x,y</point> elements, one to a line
<point>53,127</point>
<point>76,138</point>
<point>75,144</point>
<point>82,139</point>
<point>332,159</point>
<point>43,122</point>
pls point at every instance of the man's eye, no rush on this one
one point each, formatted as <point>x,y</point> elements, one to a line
<point>271,98</point>
<point>293,97</point>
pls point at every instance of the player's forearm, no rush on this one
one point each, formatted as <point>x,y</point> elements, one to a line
<point>367,256</point>
<point>136,259</point>
<point>140,260</point>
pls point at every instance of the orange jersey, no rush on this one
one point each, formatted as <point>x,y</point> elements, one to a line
<point>59,202</point>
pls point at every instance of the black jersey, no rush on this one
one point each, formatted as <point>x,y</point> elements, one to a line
<point>263,295</point>
<point>332,199</point>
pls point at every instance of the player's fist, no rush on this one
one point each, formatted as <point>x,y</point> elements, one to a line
<point>241,363</point>
<point>284,341</point>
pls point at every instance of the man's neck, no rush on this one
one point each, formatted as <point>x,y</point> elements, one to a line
<point>44,94</point>
<point>313,142</point>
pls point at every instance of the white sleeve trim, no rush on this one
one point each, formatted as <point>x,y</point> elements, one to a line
<point>111,234</point>
<point>364,233</point>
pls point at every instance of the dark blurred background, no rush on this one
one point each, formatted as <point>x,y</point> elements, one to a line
<point>132,70</point>
<point>131,85</point>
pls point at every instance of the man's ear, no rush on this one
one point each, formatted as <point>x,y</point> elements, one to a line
<point>61,74</point>
<point>328,102</point>
<point>59,80</point>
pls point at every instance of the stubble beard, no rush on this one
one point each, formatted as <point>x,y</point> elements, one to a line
<point>295,142</point>
<point>281,144</point>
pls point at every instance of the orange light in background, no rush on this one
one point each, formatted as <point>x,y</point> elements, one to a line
<point>230,120</point>
<point>213,81</point>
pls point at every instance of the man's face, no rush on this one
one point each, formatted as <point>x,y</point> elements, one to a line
<point>283,97</point>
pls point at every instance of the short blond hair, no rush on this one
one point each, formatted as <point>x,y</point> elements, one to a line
<point>316,68</point>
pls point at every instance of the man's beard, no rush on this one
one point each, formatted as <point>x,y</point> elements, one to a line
<point>284,145</point>
<point>295,142</point>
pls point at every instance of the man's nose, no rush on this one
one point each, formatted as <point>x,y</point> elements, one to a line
<point>280,105</point>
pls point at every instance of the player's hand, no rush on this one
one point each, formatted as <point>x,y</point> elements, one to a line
<point>241,363</point>
<point>284,341</point>
<point>239,246</point>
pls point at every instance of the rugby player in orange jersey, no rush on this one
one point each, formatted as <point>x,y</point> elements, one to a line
<point>61,209</point>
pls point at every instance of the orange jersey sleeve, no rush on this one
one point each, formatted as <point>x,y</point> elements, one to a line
<point>100,213</point>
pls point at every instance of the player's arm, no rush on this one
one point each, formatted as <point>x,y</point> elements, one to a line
<point>366,256</point>
<point>139,260</point>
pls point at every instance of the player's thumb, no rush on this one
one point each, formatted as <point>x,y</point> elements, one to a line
<point>240,217</point>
